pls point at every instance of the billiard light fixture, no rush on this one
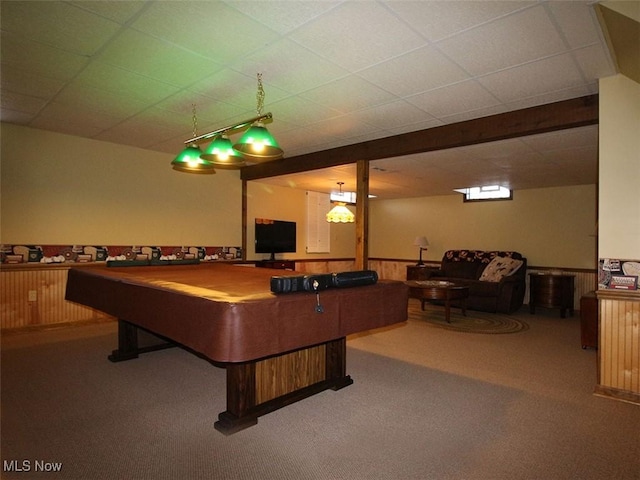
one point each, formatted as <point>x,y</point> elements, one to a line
<point>188,160</point>
<point>340,213</point>
<point>256,145</point>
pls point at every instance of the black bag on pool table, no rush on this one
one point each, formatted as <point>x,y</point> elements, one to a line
<point>301,283</point>
<point>355,279</point>
<point>316,283</point>
<point>287,284</point>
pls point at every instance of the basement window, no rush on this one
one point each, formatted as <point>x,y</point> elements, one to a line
<point>344,197</point>
<point>485,193</point>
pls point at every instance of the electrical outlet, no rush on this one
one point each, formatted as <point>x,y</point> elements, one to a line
<point>33,295</point>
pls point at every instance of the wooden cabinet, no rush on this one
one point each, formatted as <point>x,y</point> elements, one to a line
<point>418,272</point>
<point>277,264</point>
<point>551,291</point>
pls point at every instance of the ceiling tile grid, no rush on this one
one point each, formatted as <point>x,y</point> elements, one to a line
<point>335,72</point>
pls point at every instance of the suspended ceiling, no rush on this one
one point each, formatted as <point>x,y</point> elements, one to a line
<point>335,73</point>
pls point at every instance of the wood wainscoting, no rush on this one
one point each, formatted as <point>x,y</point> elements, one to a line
<point>619,345</point>
<point>33,295</point>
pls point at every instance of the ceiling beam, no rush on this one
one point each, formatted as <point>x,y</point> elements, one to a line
<point>576,112</point>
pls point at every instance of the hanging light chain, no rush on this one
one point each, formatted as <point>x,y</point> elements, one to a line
<point>260,95</point>
<point>195,120</point>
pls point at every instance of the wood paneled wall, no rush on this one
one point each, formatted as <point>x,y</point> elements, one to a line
<point>619,345</point>
<point>35,296</point>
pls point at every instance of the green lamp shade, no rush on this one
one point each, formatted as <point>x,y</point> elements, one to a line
<point>189,161</point>
<point>221,153</point>
<point>258,144</point>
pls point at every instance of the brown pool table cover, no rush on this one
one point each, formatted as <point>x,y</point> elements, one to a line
<point>227,312</point>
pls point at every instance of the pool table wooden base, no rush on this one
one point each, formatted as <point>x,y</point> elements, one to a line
<point>258,387</point>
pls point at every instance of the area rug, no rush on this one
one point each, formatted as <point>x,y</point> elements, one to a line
<point>473,322</point>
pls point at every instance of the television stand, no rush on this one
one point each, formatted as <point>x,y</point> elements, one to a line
<point>277,264</point>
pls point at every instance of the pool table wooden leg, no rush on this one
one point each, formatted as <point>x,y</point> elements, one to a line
<point>127,342</point>
<point>247,386</point>
<point>128,348</point>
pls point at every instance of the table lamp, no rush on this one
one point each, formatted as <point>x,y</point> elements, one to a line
<point>423,243</point>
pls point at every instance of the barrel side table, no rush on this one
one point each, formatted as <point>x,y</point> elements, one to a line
<point>551,291</point>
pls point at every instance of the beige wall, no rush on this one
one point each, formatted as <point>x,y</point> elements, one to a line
<point>59,189</point>
<point>280,203</point>
<point>619,205</point>
<point>552,227</point>
<point>85,191</point>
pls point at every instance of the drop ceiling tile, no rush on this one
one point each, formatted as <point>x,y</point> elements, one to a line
<point>531,33</point>
<point>89,98</point>
<point>135,132</point>
<point>576,156</point>
<point>501,149</point>
<point>12,116</point>
<point>208,110</point>
<point>162,119</point>
<point>564,139</point>
<point>156,59</point>
<point>550,97</point>
<point>238,89</point>
<point>353,40</point>
<point>345,126</point>
<point>21,103</point>
<point>302,112</point>
<point>284,16</point>
<point>423,69</point>
<point>453,99</point>
<point>59,25</point>
<point>18,81</point>
<point>594,61</point>
<point>38,59</point>
<point>348,94</point>
<point>117,11</point>
<point>75,126</point>
<point>413,127</point>
<point>89,121</point>
<point>206,28</point>
<point>473,114</point>
<point>127,84</point>
<point>578,21</point>
<point>548,75</point>
<point>393,115</point>
<point>289,66</point>
<point>437,20</point>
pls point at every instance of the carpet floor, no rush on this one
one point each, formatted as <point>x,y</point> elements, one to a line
<point>427,403</point>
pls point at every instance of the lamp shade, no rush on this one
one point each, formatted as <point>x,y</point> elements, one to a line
<point>189,161</point>
<point>258,144</point>
<point>340,214</point>
<point>421,242</point>
<point>220,152</point>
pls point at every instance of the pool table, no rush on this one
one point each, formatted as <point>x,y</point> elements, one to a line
<point>276,348</point>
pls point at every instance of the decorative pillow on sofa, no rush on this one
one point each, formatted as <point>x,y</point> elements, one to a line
<point>499,268</point>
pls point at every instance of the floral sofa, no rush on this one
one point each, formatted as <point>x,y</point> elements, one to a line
<point>496,279</point>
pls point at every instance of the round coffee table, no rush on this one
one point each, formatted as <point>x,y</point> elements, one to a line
<point>447,292</point>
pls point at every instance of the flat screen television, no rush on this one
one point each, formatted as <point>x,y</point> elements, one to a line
<point>275,236</point>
